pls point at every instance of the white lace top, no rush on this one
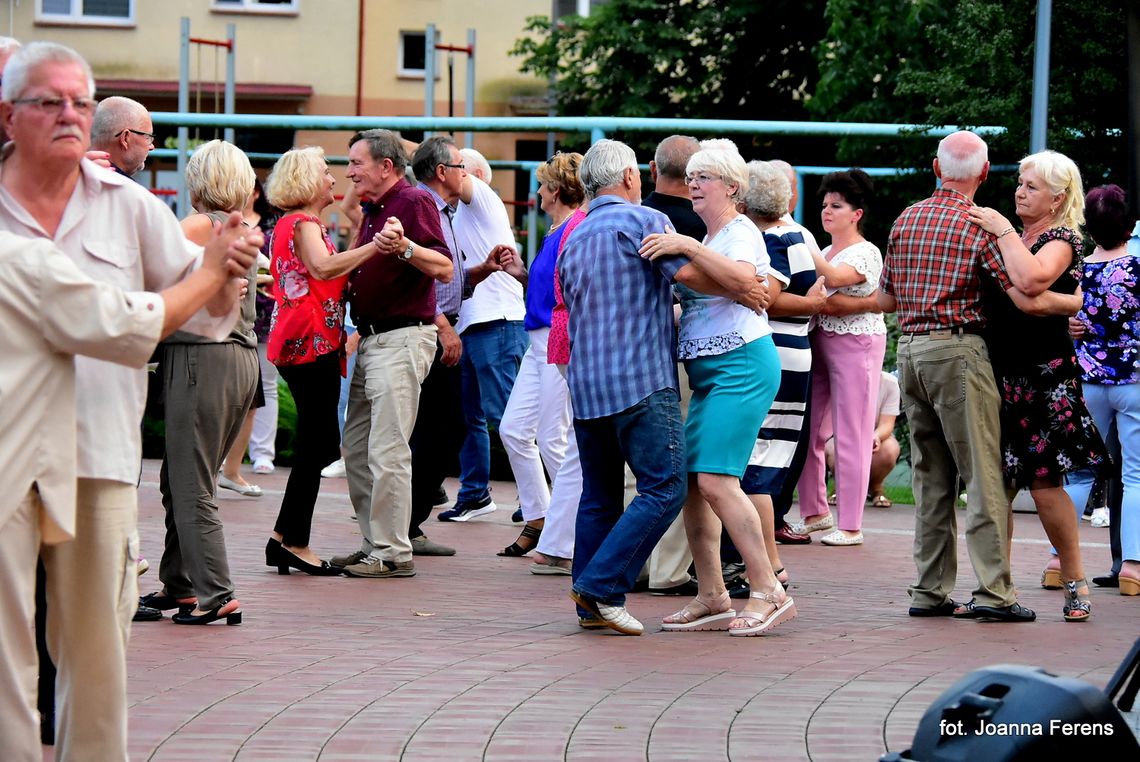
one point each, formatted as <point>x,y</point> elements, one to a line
<point>867,261</point>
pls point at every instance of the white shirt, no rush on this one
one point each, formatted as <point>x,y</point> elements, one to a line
<point>52,311</point>
<point>480,226</point>
<point>890,397</point>
<point>116,232</point>
<point>713,325</point>
<point>868,262</point>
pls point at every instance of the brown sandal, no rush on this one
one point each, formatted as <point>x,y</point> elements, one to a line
<point>517,548</point>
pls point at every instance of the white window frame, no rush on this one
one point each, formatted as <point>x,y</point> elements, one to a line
<point>292,8</point>
<point>76,17</point>
<point>403,73</point>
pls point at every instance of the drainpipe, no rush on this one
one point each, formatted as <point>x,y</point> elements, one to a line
<point>360,58</point>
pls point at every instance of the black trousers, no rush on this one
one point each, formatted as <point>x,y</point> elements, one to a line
<point>315,387</point>
<point>436,439</point>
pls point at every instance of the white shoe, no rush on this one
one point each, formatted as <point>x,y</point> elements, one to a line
<point>334,470</point>
<point>141,566</point>
<point>262,466</point>
<point>249,490</point>
<point>1099,518</point>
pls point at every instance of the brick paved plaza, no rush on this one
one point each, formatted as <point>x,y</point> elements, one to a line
<point>476,659</point>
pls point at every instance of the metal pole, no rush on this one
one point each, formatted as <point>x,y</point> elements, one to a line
<point>451,85</point>
<point>231,76</point>
<point>183,107</point>
<point>469,137</point>
<point>1040,117</point>
<point>798,216</point>
<point>552,107</point>
<point>429,72</point>
<point>532,216</point>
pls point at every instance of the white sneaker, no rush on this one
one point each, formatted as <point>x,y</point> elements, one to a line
<point>262,466</point>
<point>334,470</point>
<point>1099,518</point>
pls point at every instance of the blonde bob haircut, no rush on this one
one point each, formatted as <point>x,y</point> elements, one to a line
<point>560,173</point>
<point>1062,176</point>
<point>219,177</point>
<point>295,179</point>
<point>721,158</point>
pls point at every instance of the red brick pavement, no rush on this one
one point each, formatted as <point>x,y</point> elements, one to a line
<point>476,659</point>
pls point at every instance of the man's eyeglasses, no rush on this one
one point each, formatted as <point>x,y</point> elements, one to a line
<point>453,166</point>
<point>149,135</point>
<point>54,105</point>
<point>701,179</point>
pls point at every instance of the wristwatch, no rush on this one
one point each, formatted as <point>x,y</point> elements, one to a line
<point>407,255</point>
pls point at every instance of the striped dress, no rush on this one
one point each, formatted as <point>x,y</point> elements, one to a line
<point>776,443</point>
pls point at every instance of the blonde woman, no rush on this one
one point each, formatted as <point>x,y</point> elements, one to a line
<point>209,388</point>
<point>307,342</point>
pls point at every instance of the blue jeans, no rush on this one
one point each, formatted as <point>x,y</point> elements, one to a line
<point>492,353</point>
<point>612,545</point>
<point>1116,412</point>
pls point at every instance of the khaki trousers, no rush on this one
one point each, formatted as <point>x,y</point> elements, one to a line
<point>92,593</point>
<point>19,549</point>
<point>951,403</point>
<point>382,403</point>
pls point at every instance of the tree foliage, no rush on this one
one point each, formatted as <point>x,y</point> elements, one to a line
<point>750,59</point>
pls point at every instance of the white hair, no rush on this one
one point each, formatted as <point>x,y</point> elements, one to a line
<point>962,155</point>
<point>476,161</point>
<point>604,165</point>
<point>720,157</point>
<point>29,57</point>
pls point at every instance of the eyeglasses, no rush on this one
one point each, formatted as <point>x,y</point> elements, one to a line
<point>148,135</point>
<point>701,179</point>
<point>453,166</point>
<point>55,105</point>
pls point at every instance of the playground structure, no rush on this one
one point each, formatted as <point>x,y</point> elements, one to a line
<point>596,127</point>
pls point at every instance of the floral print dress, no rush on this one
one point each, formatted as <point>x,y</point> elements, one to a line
<point>1046,430</point>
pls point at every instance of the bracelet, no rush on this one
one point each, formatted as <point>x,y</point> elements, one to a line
<point>1005,232</point>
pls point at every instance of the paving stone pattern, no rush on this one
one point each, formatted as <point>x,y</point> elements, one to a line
<point>476,659</point>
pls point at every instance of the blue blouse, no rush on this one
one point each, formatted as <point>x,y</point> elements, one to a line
<point>540,281</point>
<point>1109,352</point>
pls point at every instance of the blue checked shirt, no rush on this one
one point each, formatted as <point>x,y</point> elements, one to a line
<point>622,340</point>
<point>448,296</point>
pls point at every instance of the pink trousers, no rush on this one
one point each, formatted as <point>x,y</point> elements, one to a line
<point>845,372</point>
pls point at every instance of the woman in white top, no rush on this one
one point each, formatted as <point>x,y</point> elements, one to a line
<point>734,373</point>
<point>847,345</point>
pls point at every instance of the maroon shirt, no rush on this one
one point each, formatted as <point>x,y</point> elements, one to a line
<point>387,287</point>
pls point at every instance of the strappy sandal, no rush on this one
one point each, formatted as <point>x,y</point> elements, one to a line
<point>881,501</point>
<point>1078,607</point>
<point>755,624</point>
<point>786,580</point>
<point>516,548</point>
<point>699,616</point>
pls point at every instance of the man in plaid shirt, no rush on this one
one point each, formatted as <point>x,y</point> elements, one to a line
<point>936,260</point>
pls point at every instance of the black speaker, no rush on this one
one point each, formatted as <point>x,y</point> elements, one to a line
<point>1011,712</point>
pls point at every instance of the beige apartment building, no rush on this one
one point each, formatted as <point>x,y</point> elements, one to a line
<point>311,57</point>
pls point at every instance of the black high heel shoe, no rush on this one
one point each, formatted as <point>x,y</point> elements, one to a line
<point>273,552</point>
<point>287,559</point>
<point>230,610</point>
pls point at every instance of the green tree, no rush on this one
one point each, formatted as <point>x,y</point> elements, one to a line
<point>750,59</point>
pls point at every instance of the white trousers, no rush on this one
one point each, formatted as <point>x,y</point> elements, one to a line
<point>263,438</point>
<point>535,425</point>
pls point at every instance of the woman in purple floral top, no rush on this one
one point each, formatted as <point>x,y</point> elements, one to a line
<point>1046,430</point>
<point>1108,355</point>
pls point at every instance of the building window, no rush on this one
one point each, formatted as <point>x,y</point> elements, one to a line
<point>100,12</point>
<point>412,60</point>
<point>283,7</point>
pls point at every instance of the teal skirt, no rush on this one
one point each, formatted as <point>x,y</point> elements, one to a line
<point>731,395</point>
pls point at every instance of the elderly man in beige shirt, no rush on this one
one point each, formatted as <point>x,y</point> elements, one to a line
<point>115,232</point>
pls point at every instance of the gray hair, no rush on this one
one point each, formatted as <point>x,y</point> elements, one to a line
<point>8,46</point>
<point>768,191</point>
<point>112,116</point>
<point>604,165</point>
<point>720,157</point>
<point>673,154</point>
<point>383,144</point>
<point>430,154</point>
<point>476,161</point>
<point>32,56</point>
<point>962,155</point>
